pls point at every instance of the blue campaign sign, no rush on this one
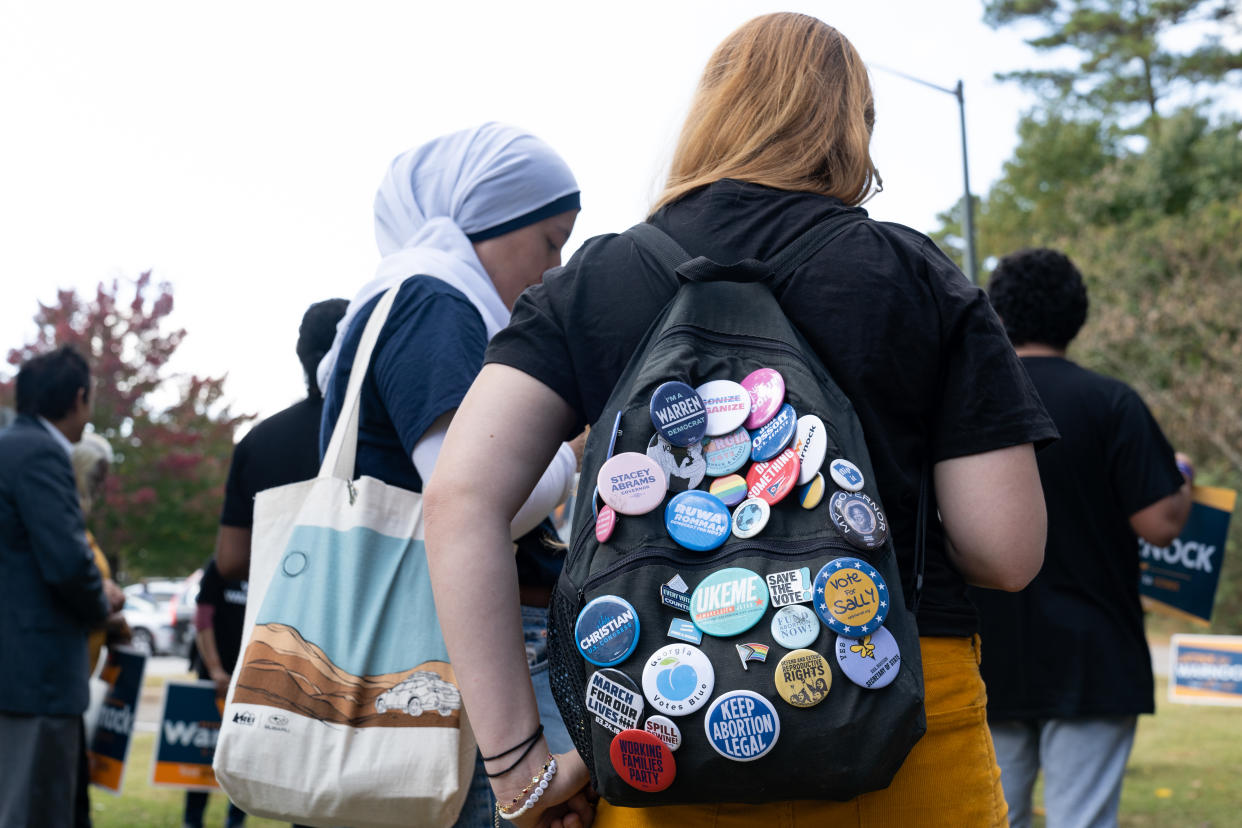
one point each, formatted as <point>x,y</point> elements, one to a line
<point>186,742</point>
<point>109,742</point>
<point>1180,579</point>
<point>1206,669</point>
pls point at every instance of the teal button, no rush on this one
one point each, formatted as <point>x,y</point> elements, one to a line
<point>729,602</point>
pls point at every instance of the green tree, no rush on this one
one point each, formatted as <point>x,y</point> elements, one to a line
<point>1124,61</point>
<point>173,435</point>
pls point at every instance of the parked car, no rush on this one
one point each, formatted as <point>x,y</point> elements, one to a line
<point>176,598</point>
<point>150,625</point>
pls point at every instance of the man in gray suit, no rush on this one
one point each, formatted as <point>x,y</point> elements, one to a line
<point>51,594</point>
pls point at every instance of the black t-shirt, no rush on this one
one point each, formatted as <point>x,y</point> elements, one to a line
<point>1072,643</point>
<point>282,449</point>
<point>917,348</point>
<point>229,600</point>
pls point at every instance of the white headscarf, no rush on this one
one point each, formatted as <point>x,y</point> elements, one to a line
<point>435,195</point>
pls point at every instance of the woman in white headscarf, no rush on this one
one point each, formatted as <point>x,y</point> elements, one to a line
<point>464,223</point>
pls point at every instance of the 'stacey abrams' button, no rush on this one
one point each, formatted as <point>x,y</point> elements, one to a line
<point>728,602</point>
<point>767,393</point>
<point>793,586</point>
<point>632,483</point>
<point>613,700</point>
<point>642,760</point>
<point>730,489</point>
<point>684,466</point>
<point>697,520</point>
<point>871,661</point>
<point>846,475</point>
<point>774,479</point>
<point>607,630</point>
<point>795,626</point>
<point>811,446</point>
<point>727,404</point>
<point>678,679</point>
<point>666,729</point>
<point>774,436</point>
<point>727,453</point>
<point>750,517</point>
<point>858,519</point>
<point>851,597</point>
<point>742,725</point>
<point>803,678</point>
<point>678,413</point>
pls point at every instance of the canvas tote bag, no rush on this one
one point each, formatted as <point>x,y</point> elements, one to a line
<point>343,709</point>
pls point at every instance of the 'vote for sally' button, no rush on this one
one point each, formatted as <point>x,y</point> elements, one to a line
<point>851,597</point>
<point>607,630</point>
<point>678,413</point>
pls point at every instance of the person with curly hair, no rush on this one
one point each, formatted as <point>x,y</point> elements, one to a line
<point>1065,660</point>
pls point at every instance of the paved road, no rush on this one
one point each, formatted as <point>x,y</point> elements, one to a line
<point>167,667</point>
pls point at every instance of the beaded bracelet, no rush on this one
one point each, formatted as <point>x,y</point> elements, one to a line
<point>531,793</point>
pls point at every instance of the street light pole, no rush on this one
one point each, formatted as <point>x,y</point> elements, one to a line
<point>968,206</point>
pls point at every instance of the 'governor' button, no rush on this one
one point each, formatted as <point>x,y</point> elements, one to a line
<point>678,679</point>
<point>727,404</point>
<point>851,597</point>
<point>642,760</point>
<point>742,725</point>
<point>632,483</point>
<point>678,413</point>
<point>607,630</point>
<point>803,678</point>
<point>795,626</point>
<point>872,660</point>
<point>697,520</point>
<point>858,519</point>
<point>767,393</point>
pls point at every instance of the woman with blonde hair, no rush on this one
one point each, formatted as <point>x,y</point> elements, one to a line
<point>776,141</point>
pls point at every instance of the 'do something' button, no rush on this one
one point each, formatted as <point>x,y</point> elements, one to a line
<point>774,479</point>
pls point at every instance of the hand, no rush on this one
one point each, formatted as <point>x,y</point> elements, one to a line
<point>221,677</point>
<point>1186,467</point>
<point>116,598</point>
<point>567,803</point>
<point>578,444</point>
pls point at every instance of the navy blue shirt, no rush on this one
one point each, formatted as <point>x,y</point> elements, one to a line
<point>429,351</point>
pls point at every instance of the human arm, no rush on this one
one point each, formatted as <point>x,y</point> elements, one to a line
<point>46,499</point>
<point>205,640</point>
<point>992,508</point>
<point>1163,520</point>
<point>511,425</point>
<point>551,490</point>
<point>233,552</point>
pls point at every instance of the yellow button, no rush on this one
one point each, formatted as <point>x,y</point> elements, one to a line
<point>803,678</point>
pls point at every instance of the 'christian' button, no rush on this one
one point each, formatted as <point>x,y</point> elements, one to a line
<point>607,630</point>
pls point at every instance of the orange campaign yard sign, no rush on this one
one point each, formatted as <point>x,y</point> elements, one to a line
<point>1206,669</point>
<point>110,739</point>
<point>186,742</point>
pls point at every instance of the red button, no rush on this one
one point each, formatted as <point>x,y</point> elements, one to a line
<point>772,480</point>
<point>642,760</point>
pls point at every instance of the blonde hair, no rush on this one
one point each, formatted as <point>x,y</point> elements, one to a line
<point>785,101</point>
<point>87,454</point>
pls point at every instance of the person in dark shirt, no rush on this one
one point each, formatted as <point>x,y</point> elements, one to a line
<point>282,449</point>
<point>1065,660</point>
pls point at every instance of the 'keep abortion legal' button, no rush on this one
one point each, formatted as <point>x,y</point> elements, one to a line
<point>607,630</point>
<point>642,760</point>
<point>742,725</point>
<point>678,413</point>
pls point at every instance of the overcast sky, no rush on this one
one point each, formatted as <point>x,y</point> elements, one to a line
<point>234,148</point>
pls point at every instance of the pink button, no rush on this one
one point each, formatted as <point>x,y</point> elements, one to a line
<point>632,483</point>
<point>767,394</point>
<point>605,522</point>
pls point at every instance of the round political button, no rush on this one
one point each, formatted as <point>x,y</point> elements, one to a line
<point>774,479</point>
<point>697,520</point>
<point>803,678</point>
<point>684,466</point>
<point>678,413</point>
<point>767,393</point>
<point>731,489</point>
<point>728,602</point>
<point>607,630</point>
<point>642,760</point>
<point>811,446</point>
<point>678,679</point>
<point>810,495</point>
<point>858,519</point>
<point>614,700</point>
<point>605,522</point>
<point>742,725</point>
<point>750,518</point>
<point>872,660</point>
<point>795,626</point>
<point>846,475</point>
<point>727,404</point>
<point>666,729</point>
<point>851,597</point>
<point>727,453</point>
<point>772,437</point>
<point>632,483</point>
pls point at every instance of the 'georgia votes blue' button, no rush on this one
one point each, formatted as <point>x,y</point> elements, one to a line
<point>607,630</point>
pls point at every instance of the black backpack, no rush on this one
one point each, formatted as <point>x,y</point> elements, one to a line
<point>723,323</point>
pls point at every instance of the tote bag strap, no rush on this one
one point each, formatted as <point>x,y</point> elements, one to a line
<point>338,460</point>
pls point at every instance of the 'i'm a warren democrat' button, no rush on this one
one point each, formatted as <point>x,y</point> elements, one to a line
<point>678,413</point>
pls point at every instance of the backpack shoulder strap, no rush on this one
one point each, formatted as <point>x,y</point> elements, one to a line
<point>655,241</point>
<point>795,254</point>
